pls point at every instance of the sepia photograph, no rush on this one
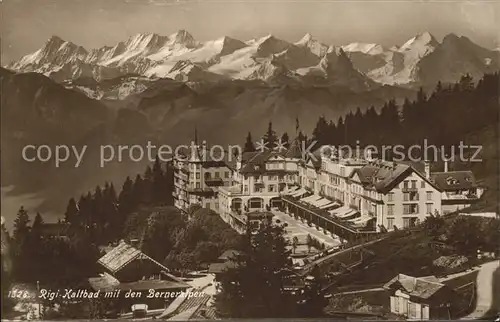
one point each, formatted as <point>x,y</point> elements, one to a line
<point>250,159</point>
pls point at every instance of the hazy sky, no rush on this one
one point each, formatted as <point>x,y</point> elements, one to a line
<point>26,24</point>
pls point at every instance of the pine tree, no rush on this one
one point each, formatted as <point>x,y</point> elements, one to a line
<point>159,187</point>
<point>285,140</point>
<point>390,119</point>
<point>320,132</point>
<point>71,212</point>
<point>21,227</point>
<point>249,146</point>
<point>169,183</point>
<point>126,199</point>
<point>147,186</point>
<point>139,191</point>
<point>36,229</point>
<point>6,273</point>
<point>270,137</point>
<point>254,288</point>
<point>21,246</point>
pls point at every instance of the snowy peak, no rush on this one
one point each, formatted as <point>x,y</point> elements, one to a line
<point>269,45</point>
<point>316,47</point>
<point>53,43</point>
<point>182,37</point>
<point>145,43</point>
<point>370,49</point>
<point>336,59</point>
<point>55,51</point>
<point>229,45</point>
<point>421,40</point>
<point>419,60</point>
<point>56,46</point>
<point>305,40</point>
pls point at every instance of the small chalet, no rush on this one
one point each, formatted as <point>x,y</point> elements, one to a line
<point>227,260</point>
<point>129,270</point>
<point>420,298</point>
<point>460,189</point>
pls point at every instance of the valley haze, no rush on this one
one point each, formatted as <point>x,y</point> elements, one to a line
<point>253,69</point>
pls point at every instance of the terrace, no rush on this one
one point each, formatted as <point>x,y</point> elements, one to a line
<point>201,191</point>
<point>326,220</point>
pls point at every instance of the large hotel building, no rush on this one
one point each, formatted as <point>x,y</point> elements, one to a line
<point>347,197</point>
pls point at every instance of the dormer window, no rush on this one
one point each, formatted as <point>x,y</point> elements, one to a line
<point>451,181</point>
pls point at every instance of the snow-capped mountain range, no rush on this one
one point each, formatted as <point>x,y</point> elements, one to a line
<point>422,59</point>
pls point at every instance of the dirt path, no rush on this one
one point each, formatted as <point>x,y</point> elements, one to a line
<point>485,290</point>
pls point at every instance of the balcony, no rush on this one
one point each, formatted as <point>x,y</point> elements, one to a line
<point>200,191</point>
<point>409,189</point>
<point>411,199</point>
<point>214,182</point>
<point>459,196</point>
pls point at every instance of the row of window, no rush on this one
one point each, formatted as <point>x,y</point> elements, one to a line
<point>410,196</point>
<point>289,177</point>
<point>275,166</point>
<point>208,175</point>
<point>410,209</point>
<point>413,184</point>
<point>270,188</point>
<point>407,222</point>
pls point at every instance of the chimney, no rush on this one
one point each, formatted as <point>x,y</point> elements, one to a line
<point>134,242</point>
<point>427,168</point>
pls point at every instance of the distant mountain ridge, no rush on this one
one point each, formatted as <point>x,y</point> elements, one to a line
<point>421,60</point>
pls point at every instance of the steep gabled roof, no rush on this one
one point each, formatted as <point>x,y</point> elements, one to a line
<point>104,283</point>
<point>119,256</point>
<point>454,180</point>
<point>229,254</point>
<point>153,284</point>
<point>416,287</point>
<point>123,254</point>
<point>383,176</point>
<point>255,162</point>
<point>190,306</point>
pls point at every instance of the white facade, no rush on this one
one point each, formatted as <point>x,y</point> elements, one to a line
<point>259,178</point>
<point>396,194</point>
<point>402,305</point>
<point>197,179</point>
